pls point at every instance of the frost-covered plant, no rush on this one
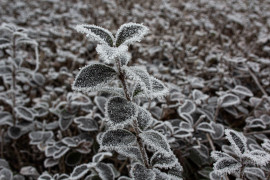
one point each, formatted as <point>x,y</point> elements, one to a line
<point>129,132</point>
<point>238,160</point>
<point>15,70</point>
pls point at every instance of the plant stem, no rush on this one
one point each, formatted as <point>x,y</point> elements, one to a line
<point>13,87</point>
<point>210,142</point>
<point>122,78</point>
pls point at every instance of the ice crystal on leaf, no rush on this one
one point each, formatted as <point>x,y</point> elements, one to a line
<point>158,88</point>
<point>93,77</point>
<point>259,157</point>
<point>79,171</point>
<point>242,90</point>
<point>139,172</point>
<point>99,34</point>
<point>218,155</point>
<point>254,171</point>
<point>120,111</point>
<point>105,171</point>
<point>24,113</point>
<point>218,130</point>
<point>229,100</point>
<point>226,166</point>
<point>238,141</point>
<point>144,118</point>
<point>156,140</point>
<point>205,127</point>
<point>163,160</point>
<point>266,145</point>
<point>86,124</point>
<point>109,54</point>
<point>129,33</point>
<point>188,107</point>
<point>114,139</point>
<point>131,152</point>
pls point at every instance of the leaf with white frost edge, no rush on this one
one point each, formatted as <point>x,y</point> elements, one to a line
<point>6,174</point>
<point>141,76</point>
<point>115,139</point>
<point>237,140</point>
<point>79,171</point>
<point>228,100</point>
<point>226,166</point>
<point>93,77</point>
<point>96,33</point>
<point>254,171</point>
<point>105,172</point>
<point>163,160</point>
<point>219,130</point>
<point>216,155</point>
<point>129,33</point>
<point>155,139</point>
<point>24,113</point>
<point>242,90</point>
<point>205,127</point>
<point>86,124</point>
<point>214,176</point>
<point>120,111</point>
<point>139,172</point>
<point>158,88</point>
<point>188,107</point>
<point>100,156</point>
<point>256,123</point>
<point>61,152</point>
<point>259,157</point>
<point>266,145</point>
<point>160,175</point>
<point>131,152</point>
<point>176,172</point>
<point>109,54</point>
<point>144,118</point>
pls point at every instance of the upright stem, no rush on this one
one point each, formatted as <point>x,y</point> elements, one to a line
<point>13,87</point>
<point>122,78</point>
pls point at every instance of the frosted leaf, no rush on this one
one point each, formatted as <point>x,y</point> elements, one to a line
<point>105,172</point>
<point>259,157</point>
<point>265,118</point>
<point>93,77</point>
<point>163,160</point>
<point>188,107</point>
<point>114,139</point>
<point>253,171</point>
<point>61,152</point>
<point>216,155</point>
<point>86,124</point>
<point>144,118</point>
<point>14,132</point>
<point>229,100</point>
<point>182,134</point>
<point>131,152</point>
<point>218,130</point>
<point>226,166</point>
<point>158,88</point>
<point>155,139</point>
<point>266,144</point>
<point>4,70</point>
<point>124,178</point>
<point>199,95</point>
<point>40,136</point>
<point>99,34</point>
<point>187,117</point>
<point>242,90</point>
<point>256,123</point>
<point>4,164</point>
<point>124,58</point>
<point>6,118</point>
<point>238,141</point>
<point>100,156</point>
<point>79,171</point>
<point>100,102</point>
<point>156,112</point>
<point>50,162</point>
<point>176,172</point>
<point>18,177</point>
<point>109,54</point>
<point>65,119</point>
<point>4,43</point>
<point>6,174</point>
<point>160,175</point>
<point>139,172</point>
<point>205,127</point>
<point>24,113</point>
<point>129,33</point>
<point>120,111</point>
<point>38,78</point>
<point>184,126</point>
<point>214,176</point>
<point>29,171</point>
<point>45,176</point>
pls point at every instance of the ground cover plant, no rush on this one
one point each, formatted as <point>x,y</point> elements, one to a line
<point>82,98</point>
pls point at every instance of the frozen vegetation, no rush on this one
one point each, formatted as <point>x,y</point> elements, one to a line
<point>135,90</point>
